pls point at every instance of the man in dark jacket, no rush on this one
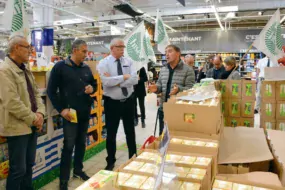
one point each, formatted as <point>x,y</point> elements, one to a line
<point>75,83</point>
<point>217,70</point>
<point>140,94</point>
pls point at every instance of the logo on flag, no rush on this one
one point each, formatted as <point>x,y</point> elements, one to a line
<point>134,47</point>
<point>273,38</point>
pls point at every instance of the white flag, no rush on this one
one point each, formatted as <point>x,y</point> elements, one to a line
<point>160,35</point>
<point>20,25</point>
<point>269,40</point>
<point>148,48</point>
<point>134,46</point>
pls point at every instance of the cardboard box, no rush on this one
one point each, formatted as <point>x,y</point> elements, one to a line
<point>268,124</point>
<point>268,109</point>
<point>235,107</point>
<point>280,110</point>
<point>276,142</point>
<point>280,125</point>
<point>246,122</point>
<point>235,89</point>
<point>242,145</point>
<point>261,180</point>
<point>191,118</point>
<point>225,107</point>
<point>247,108</point>
<point>268,89</point>
<point>248,89</point>
<point>280,90</point>
<point>233,122</point>
<point>224,88</point>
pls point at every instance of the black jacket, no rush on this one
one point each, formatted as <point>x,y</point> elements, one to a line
<point>140,87</point>
<point>70,80</point>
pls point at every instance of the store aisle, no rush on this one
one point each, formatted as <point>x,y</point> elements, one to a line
<point>98,162</point>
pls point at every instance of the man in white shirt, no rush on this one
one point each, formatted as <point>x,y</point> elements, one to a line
<point>261,65</point>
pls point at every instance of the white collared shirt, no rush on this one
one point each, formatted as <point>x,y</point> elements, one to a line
<point>262,63</point>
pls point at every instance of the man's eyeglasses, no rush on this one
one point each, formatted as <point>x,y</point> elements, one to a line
<point>120,46</point>
<point>27,47</point>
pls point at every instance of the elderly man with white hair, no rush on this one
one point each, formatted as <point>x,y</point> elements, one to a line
<point>190,61</point>
<point>118,75</point>
<point>21,113</point>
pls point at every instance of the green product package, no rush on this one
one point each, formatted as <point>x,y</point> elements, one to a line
<point>268,109</point>
<point>234,107</point>
<point>234,123</point>
<point>235,89</point>
<point>282,109</point>
<point>246,123</point>
<point>268,91</point>
<point>247,110</point>
<point>282,90</point>
<point>282,126</point>
<point>248,91</point>
<point>223,107</point>
<point>268,125</point>
<point>223,88</point>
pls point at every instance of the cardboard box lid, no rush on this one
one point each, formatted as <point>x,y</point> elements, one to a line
<point>274,73</point>
<point>262,178</point>
<point>277,140</point>
<point>243,145</point>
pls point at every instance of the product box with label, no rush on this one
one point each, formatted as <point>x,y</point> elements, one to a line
<point>248,89</point>
<point>280,90</point>
<point>246,122</point>
<point>280,125</point>
<point>268,89</point>
<point>268,124</point>
<point>233,122</point>
<point>224,88</point>
<point>268,109</point>
<point>235,107</point>
<point>235,89</point>
<point>225,107</point>
<point>191,118</point>
<point>247,108</point>
<point>280,110</point>
<point>246,146</point>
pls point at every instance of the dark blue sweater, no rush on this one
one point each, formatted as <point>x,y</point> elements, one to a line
<point>66,87</point>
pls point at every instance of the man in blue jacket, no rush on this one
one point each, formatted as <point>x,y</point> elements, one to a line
<point>75,83</point>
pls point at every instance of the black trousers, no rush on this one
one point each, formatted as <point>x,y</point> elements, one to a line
<point>116,110</point>
<point>161,120</point>
<point>142,107</point>
<point>22,155</point>
<point>74,136</point>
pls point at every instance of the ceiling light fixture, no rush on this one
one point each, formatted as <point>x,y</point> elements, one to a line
<point>218,17</point>
<point>128,25</point>
<point>260,13</point>
<point>282,20</point>
<point>181,17</point>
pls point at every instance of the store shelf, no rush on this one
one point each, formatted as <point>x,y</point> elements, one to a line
<point>92,145</point>
<point>92,128</point>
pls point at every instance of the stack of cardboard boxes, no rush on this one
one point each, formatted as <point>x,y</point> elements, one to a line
<point>273,105</point>
<point>238,100</point>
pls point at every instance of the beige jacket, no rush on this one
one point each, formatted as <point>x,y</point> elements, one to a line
<point>16,117</point>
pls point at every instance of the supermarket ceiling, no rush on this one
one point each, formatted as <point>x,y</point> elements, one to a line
<point>100,17</point>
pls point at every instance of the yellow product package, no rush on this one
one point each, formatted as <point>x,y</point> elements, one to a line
<point>188,142</point>
<point>203,161</point>
<point>194,176</point>
<point>148,168</point>
<point>147,155</point>
<point>176,141</point>
<point>148,184</point>
<point>74,115</point>
<point>182,171</point>
<point>122,178</point>
<point>237,186</point>
<point>173,158</point>
<point>187,160</point>
<point>212,144</point>
<point>189,185</point>
<point>135,181</point>
<point>198,171</point>
<point>134,165</point>
<point>223,185</point>
<point>199,143</point>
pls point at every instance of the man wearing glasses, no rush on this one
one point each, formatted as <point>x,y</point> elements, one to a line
<point>21,113</point>
<point>75,82</point>
<point>118,75</point>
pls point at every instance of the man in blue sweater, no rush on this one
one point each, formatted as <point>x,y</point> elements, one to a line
<point>70,85</point>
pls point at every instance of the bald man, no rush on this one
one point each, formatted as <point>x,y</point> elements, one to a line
<point>217,70</point>
<point>21,113</point>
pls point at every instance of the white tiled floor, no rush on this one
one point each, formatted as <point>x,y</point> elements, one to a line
<point>97,163</point>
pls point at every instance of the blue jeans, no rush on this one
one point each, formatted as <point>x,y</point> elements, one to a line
<point>74,137</point>
<point>22,155</point>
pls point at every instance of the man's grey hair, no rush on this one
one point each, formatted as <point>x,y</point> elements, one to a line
<point>78,43</point>
<point>115,40</point>
<point>189,55</point>
<point>13,41</point>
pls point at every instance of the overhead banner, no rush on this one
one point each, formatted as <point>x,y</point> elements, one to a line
<point>233,41</point>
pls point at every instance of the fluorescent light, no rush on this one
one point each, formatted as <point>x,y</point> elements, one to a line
<point>282,20</point>
<point>217,17</point>
<point>128,25</point>
<point>230,15</point>
<point>1,12</point>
